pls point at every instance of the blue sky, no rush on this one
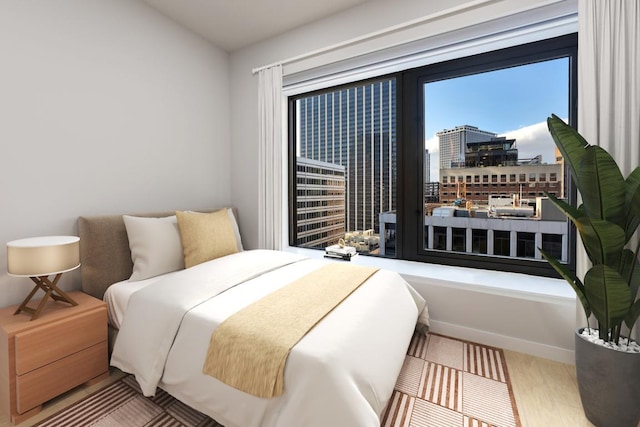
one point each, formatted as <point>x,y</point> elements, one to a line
<point>513,102</point>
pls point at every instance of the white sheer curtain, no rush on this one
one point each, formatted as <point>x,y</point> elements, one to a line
<point>270,157</point>
<point>609,83</point>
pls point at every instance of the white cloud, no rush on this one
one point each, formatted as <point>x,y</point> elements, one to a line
<point>533,140</point>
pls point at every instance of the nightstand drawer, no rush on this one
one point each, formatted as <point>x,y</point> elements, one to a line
<point>53,341</point>
<point>38,386</point>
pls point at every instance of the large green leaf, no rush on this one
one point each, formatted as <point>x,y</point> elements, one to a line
<point>603,187</point>
<point>570,144</point>
<point>603,240</point>
<point>608,295</point>
<point>571,278</point>
<point>632,186</point>
<point>633,315</point>
<point>630,271</point>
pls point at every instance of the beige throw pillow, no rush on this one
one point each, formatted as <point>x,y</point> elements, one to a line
<point>206,236</point>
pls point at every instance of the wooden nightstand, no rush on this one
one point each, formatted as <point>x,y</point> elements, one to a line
<point>43,358</point>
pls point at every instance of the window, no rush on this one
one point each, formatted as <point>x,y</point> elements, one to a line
<point>552,244</point>
<point>440,238</point>
<point>458,239</point>
<point>526,245</point>
<point>366,135</point>
<point>348,135</point>
<point>501,243</point>
<point>479,241</point>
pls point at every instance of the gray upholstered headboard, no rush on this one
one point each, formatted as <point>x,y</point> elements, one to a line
<point>104,250</point>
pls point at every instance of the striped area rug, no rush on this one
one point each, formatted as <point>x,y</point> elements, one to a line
<point>122,405</point>
<point>444,382</point>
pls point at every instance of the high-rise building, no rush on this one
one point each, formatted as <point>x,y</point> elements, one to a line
<point>498,151</point>
<point>320,203</point>
<point>453,143</point>
<point>355,128</point>
<point>427,166</point>
<point>432,192</point>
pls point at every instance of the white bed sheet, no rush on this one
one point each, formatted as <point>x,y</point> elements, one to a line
<point>341,373</point>
<point>117,297</point>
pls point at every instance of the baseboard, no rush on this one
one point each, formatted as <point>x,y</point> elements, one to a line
<point>502,341</point>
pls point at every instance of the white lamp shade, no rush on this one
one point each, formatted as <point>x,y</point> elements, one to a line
<point>43,256</point>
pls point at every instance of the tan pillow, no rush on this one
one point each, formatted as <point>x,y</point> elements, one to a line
<point>206,236</point>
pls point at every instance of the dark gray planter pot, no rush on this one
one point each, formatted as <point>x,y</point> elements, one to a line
<point>609,383</point>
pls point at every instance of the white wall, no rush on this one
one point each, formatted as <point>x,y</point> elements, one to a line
<point>105,107</point>
<point>530,325</point>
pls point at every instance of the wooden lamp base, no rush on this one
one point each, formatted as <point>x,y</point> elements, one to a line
<point>51,291</point>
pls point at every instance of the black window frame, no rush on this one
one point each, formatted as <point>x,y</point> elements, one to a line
<point>409,227</point>
<point>410,211</point>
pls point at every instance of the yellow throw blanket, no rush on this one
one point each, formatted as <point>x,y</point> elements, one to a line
<point>248,351</point>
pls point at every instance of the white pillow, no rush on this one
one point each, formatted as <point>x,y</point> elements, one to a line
<point>155,246</point>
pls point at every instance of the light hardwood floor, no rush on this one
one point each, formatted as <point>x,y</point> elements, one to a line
<point>546,393</point>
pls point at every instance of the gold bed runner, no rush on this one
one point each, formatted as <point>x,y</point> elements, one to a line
<point>248,351</point>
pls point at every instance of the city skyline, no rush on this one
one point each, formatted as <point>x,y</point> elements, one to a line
<point>355,128</point>
<point>512,102</point>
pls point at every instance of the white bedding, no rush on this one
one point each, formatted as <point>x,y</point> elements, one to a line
<point>341,373</point>
<point>117,296</point>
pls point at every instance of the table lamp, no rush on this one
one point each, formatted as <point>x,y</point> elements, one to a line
<point>38,258</point>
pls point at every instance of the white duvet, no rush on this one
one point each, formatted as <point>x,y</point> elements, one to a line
<point>341,373</point>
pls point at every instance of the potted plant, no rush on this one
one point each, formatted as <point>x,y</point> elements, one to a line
<point>608,370</point>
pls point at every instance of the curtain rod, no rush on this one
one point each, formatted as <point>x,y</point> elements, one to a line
<point>461,8</point>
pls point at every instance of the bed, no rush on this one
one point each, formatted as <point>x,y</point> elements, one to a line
<point>341,373</point>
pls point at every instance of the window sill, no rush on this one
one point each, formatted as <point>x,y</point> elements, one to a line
<point>515,285</point>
